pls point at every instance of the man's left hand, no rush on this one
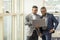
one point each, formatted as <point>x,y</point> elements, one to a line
<point>52,31</point>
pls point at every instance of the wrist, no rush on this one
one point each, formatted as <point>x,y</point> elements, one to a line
<point>53,29</point>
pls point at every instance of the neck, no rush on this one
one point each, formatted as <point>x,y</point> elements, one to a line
<point>44,14</point>
<point>34,13</point>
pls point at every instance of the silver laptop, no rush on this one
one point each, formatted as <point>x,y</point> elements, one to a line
<point>40,22</point>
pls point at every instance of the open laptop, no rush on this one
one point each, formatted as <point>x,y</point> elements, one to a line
<point>40,22</point>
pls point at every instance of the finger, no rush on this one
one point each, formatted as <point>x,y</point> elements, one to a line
<point>50,31</point>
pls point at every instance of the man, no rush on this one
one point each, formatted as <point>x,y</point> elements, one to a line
<point>50,20</point>
<point>32,33</point>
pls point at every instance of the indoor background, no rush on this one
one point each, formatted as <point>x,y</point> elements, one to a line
<point>12,17</point>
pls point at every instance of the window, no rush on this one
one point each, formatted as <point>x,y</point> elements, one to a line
<point>52,5</point>
<point>7,27</point>
<point>7,6</point>
<point>10,7</point>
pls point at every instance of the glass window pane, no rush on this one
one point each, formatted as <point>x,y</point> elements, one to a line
<point>7,27</point>
<point>52,5</point>
<point>7,5</point>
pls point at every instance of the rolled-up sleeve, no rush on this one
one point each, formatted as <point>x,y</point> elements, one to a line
<point>27,22</point>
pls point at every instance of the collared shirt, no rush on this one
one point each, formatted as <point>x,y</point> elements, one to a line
<point>30,29</point>
<point>33,16</point>
<point>45,17</point>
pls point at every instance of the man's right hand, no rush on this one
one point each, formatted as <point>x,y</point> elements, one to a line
<point>40,34</point>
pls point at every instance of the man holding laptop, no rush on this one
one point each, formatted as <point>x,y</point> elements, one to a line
<point>32,30</point>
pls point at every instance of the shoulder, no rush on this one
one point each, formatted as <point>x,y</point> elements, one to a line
<point>38,15</point>
<point>50,14</point>
<point>28,15</point>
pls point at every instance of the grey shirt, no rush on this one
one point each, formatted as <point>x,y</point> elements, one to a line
<point>46,21</point>
<point>28,22</point>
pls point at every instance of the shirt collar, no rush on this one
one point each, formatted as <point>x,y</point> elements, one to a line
<point>33,14</point>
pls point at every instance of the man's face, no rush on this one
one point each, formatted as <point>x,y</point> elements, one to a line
<point>34,10</point>
<point>43,11</point>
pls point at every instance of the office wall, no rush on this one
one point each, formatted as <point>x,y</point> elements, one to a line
<point>29,3</point>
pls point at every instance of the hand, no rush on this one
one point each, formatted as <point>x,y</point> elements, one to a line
<point>37,26</point>
<point>40,35</point>
<point>52,31</point>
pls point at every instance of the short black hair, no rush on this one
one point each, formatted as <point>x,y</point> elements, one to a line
<point>43,7</point>
<point>34,7</point>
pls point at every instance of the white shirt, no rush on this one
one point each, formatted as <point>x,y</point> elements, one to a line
<point>45,17</point>
<point>34,16</point>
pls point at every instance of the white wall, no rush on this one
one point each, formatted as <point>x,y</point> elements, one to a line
<point>29,3</point>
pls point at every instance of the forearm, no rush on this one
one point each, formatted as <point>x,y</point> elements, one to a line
<point>56,24</point>
<point>28,23</point>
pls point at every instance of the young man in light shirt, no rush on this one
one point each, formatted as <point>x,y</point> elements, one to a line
<point>33,31</point>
